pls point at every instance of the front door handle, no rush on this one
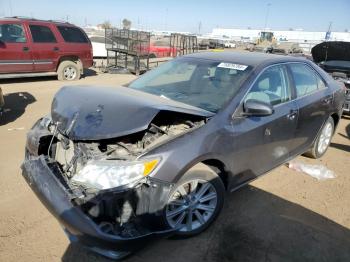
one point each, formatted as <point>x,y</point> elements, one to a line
<point>56,48</point>
<point>25,48</point>
<point>292,115</point>
<point>328,100</point>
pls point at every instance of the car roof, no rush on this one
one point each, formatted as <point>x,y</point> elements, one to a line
<point>246,58</point>
<point>21,19</point>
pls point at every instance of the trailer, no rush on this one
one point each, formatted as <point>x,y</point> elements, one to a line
<point>127,50</point>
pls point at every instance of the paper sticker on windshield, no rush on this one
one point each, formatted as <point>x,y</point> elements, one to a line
<point>233,66</point>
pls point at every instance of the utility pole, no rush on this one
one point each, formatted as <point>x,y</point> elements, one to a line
<point>199,27</point>
<point>166,19</point>
<point>267,14</point>
<point>10,5</point>
<point>328,33</point>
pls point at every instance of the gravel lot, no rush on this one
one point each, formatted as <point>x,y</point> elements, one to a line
<point>284,215</point>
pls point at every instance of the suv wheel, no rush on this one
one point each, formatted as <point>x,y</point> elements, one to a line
<point>323,140</point>
<point>68,71</point>
<point>195,201</point>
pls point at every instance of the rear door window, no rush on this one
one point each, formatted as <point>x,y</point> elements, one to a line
<point>42,34</point>
<point>306,80</point>
<point>12,33</point>
<point>72,34</point>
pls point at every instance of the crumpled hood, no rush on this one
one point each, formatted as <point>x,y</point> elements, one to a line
<point>330,51</point>
<point>92,113</point>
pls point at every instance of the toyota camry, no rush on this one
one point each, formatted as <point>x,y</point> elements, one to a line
<point>119,167</point>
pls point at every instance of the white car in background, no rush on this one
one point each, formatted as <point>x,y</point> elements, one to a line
<point>98,46</point>
<point>229,44</point>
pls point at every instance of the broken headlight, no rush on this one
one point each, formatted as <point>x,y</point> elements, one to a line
<point>106,174</point>
<point>46,121</point>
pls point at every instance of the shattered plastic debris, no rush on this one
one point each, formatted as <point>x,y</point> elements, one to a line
<point>22,95</point>
<point>16,128</point>
<point>319,172</point>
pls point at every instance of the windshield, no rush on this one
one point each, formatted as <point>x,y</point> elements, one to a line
<point>197,82</point>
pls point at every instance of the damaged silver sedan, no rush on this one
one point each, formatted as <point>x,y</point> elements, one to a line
<point>119,167</point>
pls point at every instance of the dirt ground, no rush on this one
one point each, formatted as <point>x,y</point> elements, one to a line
<point>284,215</point>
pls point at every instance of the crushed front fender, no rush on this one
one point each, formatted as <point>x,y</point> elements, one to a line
<point>79,227</point>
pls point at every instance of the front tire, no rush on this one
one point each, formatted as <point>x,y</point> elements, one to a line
<point>195,201</point>
<point>323,140</point>
<point>68,71</point>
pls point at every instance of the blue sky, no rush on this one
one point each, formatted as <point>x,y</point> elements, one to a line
<point>185,15</point>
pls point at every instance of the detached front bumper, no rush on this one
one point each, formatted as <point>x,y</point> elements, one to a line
<point>78,226</point>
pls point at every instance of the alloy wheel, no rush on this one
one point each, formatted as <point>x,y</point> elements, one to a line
<point>325,138</point>
<point>191,205</point>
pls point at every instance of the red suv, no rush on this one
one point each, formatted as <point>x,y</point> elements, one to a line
<point>30,47</point>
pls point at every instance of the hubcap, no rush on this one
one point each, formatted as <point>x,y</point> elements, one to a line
<point>325,138</point>
<point>191,205</point>
<point>69,73</point>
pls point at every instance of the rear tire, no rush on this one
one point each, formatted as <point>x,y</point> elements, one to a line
<point>68,71</point>
<point>197,198</point>
<point>323,140</point>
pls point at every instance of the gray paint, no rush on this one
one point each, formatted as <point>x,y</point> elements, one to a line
<point>92,113</point>
<point>240,143</point>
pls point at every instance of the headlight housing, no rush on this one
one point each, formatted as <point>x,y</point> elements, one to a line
<point>46,121</point>
<point>106,174</point>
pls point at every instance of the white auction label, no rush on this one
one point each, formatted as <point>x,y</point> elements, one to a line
<point>233,66</point>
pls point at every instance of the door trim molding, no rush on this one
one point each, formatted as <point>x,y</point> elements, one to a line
<point>25,62</point>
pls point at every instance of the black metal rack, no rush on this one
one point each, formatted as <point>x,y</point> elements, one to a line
<point>126,48</point>
<point>181,44</point>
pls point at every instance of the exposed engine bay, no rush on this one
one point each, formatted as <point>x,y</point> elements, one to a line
<point>115,210</point>
<point>72,156</point>
<point>334,58</point>
<point>98,142</point>
<point>344,79</point>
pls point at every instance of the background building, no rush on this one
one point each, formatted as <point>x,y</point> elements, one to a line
<point>306,39</point>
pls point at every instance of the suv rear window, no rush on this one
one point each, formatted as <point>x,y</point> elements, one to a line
<point>72,34</point>
<point>42,34</point>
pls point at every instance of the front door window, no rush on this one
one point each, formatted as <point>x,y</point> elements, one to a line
<point>12,33</point>
<point>271,87</point>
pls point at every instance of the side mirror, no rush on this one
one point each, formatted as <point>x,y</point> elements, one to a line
<point>254,107</point>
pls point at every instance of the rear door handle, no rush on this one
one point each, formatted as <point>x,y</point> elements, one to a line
<point>56,48</point>
<point>25,48</point>
<point>292,115</point>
